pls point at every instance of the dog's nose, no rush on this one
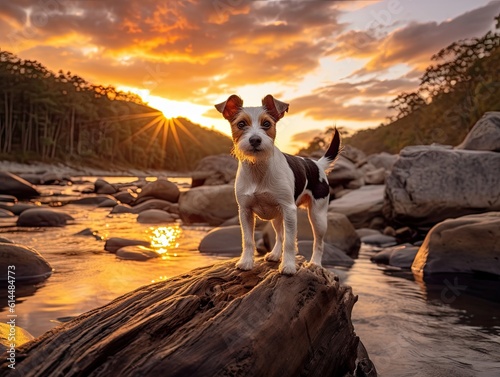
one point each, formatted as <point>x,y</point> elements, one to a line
<point>255,141</point>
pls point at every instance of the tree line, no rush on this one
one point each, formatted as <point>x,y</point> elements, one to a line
<point>60,116</point>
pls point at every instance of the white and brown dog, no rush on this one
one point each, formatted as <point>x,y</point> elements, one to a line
<point>272,184</point>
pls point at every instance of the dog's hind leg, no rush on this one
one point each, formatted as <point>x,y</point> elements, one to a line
<point>275,254</point>
<point>318,212</point>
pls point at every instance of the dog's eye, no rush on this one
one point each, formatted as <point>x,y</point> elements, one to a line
<point>241,125</point>
<point>266,125</point>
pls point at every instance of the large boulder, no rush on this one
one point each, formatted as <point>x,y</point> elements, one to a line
<point>485,135</point>
<point>340,233</point>
<point>208,204</point>
<point>257,323</point>
<point>28,264</point>
<point>214,170</point>
<point>162,189</point>
<point>429,184</point>
<point>11,184</point>
<point>43,217</point>
<point>466,244</point>
<point>361,206</point>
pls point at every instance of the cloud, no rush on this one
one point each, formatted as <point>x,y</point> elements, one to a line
<point>305,137</point>
<point>355,101</point>
<point>415,43</point>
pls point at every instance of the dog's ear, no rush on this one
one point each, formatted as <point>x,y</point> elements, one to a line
<point>231,107</point>
<point>274,107</point>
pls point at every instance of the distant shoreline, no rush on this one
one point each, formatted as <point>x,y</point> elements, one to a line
<point>63,169</point>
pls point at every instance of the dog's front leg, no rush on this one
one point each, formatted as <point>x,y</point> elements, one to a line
<point>287,265</point>
<point>247,221</point>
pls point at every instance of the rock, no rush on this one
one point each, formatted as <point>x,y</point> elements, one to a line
<point>398,256</point>
<point>332,256</point>
<point>155,216</point>
<point>125,197</point>
<point>258,323</point>
<point>103,187</point>
<point>93,200</point>
<point>17,208</point>
<point>343,172</point>
<point>467,244</point>
<point>361,206</point>
<point>160,189</point>
<point>43,217</point>
<point>29,264</point>
<point>379,240</point>
<point>109,202</point>
<point>485,135</point>
<point>208,204</point>
<point>8,199</point>
<point>353,154</point>
<point>114,243</point>
<point>362,232</point>
<point>214,170</point>
<point>383,160</point>
<point>51,178</point>
<point>122,208</point>
<point>138,253</point>
<point>11,184</point>
<point>152,204</point>
<point>5,240</point>
<point>340,233</point>
<point>429,184</point>
<point>375,177</point>
<point>224,241</point>
<point>20,335</point>
<point>5,213</point>
<point>34,179</point>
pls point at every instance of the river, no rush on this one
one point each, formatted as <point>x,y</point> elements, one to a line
<point>447,326</point>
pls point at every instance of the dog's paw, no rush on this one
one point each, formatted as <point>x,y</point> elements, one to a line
<point>287,269</point>
<point>244,265</point>
<point>272,257</point>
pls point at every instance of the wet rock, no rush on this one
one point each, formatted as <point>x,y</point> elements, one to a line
<point>160,189</point>
<point>245,318</point>
<point>379,240</point>
<point>137,253</point>
<point>109,202</point>
<point>485,135</point>
<point>332,256</point>
<point>208,204</point>
<point>152,204</point>
<point>103,187</point>
<point>398,256</point>
<point>429,184</point>
<point>11,184</point>
<point>8,199</point>
<point>114,243</point>
<point>224,241</point>
<point>361,206</point>
<point>340,233</point>
<point>125,197</point>
<point>214,170</point>
<point>155,216</point>
<point>29,264</point>
<point>51,178</point>
<point>5,240</point>
<point>34,179</point>
<point>93,200</point>
<point>466,244</point>
<point>7,332</point>
<point>17,208</point>
<point>122,208</point>
<point>43,217</point>
<point>5,214</point>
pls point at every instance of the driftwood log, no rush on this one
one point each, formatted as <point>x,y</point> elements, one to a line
<point>212,321</point>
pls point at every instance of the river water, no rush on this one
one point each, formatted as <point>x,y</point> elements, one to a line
<point>449,326</point>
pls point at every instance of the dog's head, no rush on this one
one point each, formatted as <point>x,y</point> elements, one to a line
<point>253,128</point>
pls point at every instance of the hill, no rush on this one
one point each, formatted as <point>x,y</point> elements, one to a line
<point>47,116</point>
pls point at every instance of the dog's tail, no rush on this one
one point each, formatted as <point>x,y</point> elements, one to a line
<point>331,153</point>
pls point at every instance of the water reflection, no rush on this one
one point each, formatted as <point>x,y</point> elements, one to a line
<point>164,240</point>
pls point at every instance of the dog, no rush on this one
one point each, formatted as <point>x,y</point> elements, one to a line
<point>272,185</point>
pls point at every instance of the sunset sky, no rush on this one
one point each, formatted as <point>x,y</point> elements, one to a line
<point>336,62</point>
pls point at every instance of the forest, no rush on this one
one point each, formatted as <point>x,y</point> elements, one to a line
<point>61,117</point>
<point>454,92</point>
